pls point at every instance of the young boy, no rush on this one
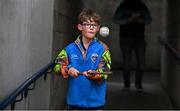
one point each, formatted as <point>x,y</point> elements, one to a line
<point>83,63</point>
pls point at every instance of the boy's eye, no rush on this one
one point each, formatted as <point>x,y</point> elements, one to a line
<point>90,25</point>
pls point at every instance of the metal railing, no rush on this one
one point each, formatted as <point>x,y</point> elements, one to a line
<point>24,87</point>
<point>170,48</point>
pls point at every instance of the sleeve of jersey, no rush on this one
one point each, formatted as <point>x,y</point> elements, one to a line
<point>104,65</point>
<point>61,64</point>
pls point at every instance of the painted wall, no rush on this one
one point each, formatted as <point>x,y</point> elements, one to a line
<point>64,32</point>
<point>170,66</point>
<point>31,34</point>
<point>26,46</point>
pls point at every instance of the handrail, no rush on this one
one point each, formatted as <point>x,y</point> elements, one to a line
<point>170,48</point>
<point>23,88</point>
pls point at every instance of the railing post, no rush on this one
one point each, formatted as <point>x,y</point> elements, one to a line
<point>12,106</point>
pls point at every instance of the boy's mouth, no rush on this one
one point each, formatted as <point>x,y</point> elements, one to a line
<point>91,32</point>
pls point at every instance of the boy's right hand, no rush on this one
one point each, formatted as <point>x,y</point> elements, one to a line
<point>73,72</point>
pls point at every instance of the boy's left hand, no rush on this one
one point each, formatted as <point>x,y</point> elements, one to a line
<point>91,74</point>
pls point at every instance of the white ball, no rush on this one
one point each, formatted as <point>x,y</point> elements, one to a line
<point>104,31</point>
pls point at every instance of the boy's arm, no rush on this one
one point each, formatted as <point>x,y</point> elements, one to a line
<point>103,66</point>
<point>62,64</point>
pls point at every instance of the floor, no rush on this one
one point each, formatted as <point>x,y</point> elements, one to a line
<point>153,97</point>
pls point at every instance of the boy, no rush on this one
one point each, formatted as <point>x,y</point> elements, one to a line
<point>83,63</point>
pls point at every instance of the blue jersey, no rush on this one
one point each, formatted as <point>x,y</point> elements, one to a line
<point>82,91</point>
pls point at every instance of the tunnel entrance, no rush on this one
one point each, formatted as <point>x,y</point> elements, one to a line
<point>65,20</point>
<point>34,31</point>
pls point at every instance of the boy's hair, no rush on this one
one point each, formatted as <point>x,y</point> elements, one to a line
<point>89,14</point>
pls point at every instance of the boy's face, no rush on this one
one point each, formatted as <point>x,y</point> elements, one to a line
<point>89,29</point>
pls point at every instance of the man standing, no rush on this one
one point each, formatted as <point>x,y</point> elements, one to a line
<point>132,15</point>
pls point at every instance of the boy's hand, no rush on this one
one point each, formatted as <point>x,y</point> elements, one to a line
<point>73,72</point>
<point>91,74</point>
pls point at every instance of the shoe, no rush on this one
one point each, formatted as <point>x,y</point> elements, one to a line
<point>126,88</point>
<point>139,88</point>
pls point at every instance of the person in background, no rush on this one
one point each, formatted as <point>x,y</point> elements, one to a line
<point>132,16</point>
<point>83,63</point>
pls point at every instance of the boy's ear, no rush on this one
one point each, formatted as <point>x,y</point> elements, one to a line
<point>79,26</point>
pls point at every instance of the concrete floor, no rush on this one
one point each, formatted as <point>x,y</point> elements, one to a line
<point>153,97</point>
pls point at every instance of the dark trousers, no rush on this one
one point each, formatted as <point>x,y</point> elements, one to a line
<point>128,45</point>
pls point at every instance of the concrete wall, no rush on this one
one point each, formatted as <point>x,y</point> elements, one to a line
<point>64,32</point>
<point>32,32</point>
<point>26,46</point>
<point>170,66</point>
<point>106,8</point>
